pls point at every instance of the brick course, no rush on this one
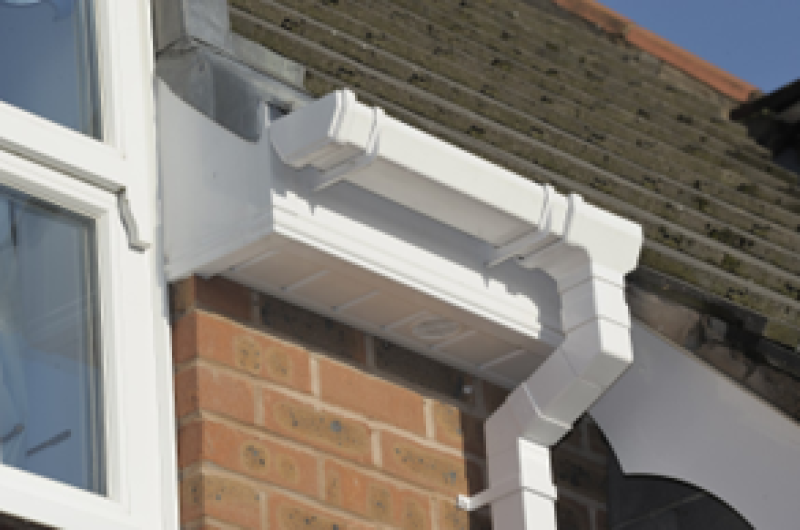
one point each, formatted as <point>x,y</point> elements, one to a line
<point>285,423</point>
<point>249,453</point>
<point>371,396</point>
<point>217,339</point>
<point>319,428</point>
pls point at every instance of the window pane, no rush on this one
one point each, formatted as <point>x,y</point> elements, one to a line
<point>51,419</point>
<point>47,60</point>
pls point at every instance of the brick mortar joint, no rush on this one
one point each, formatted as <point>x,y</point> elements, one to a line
<point>204,467</point>
<point>272,436</point>
<point>370,369</point>
<point>313,370</point>
<point>473,409</point>
<point>268,489</point>
<point>200,524</point>
<point>320,404</point>
<point>255,327</point>
<point>256,381</point>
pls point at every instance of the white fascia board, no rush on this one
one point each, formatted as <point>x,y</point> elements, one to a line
<point>587,251</point>
<point>228,201</point>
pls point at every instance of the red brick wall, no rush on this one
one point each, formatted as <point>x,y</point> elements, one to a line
<point>288,420</point>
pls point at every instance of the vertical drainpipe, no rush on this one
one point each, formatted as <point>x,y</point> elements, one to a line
<point>588,264</point>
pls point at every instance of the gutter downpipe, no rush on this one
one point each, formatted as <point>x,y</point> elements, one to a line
<point>586,250</point>
<point>595,352</point>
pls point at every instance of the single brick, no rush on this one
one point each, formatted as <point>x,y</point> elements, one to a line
<point>244,349</point>
<point>348,488</point>
<point>317,428</point>
<point>423,371</point>
<point>580,475</point>
<point>254,456</point>
<point>204,388</point>
<point>289,514</point>
<point>217,294</point>
<point>457,429</point>
<point>451,517</point>
<point>222,498</point>
<point>572,515</point>
<point>372,397</point>
<point>315,330</point>
<point>428,467</point>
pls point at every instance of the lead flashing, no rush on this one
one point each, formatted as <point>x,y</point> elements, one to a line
<point>211,67</point>
<point>203,20</point>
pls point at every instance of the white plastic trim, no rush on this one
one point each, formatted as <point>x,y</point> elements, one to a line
<point>91,178</point>
<point>533,478</point>
<point>118,162</point>
<point>417,258</point>
<point>586,250</point>
<point>671,415</point>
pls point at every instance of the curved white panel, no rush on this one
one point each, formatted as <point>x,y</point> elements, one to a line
<point>671,415</point>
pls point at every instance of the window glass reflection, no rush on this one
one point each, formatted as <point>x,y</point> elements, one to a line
<point>47,60</point>
<point>50,374</point>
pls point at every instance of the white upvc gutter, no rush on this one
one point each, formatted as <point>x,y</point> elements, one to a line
<point>586,250</point>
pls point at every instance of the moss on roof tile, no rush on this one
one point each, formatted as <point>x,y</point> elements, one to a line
<point>559,104</point>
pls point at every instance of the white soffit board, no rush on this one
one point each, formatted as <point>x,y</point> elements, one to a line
<point>671,415</point>
<point>233,208</point>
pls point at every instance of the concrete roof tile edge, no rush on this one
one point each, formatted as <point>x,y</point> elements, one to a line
<point>614,23</point>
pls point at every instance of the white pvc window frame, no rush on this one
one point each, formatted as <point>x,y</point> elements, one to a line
<point>87,176</point>
<point>113,163</point>
<point>23,494</point>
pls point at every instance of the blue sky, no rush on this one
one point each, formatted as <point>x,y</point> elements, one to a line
<point>756,40</point>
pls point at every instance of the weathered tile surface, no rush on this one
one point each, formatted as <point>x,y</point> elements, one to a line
<point>530,89</point>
